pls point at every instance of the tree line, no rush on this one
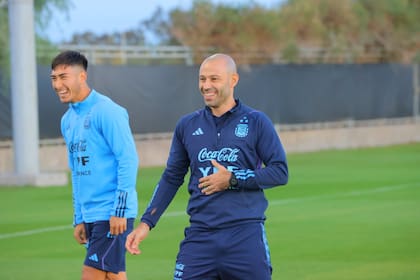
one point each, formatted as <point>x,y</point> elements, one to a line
<point>293,31</point>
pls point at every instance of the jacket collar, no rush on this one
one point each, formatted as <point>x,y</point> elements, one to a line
<point>231,111</point>
<point>85,104</point>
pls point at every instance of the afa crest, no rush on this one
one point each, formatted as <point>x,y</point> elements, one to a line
<point>86,123</point>
<point>241,129</point>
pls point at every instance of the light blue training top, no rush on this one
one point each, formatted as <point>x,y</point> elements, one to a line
<point>102,158</point>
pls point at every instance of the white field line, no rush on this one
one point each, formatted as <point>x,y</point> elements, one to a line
<point>272,202</point>
<point>32,232</point>
<point>345,194</point>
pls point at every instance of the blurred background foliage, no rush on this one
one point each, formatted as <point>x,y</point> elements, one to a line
<point>333,31</point>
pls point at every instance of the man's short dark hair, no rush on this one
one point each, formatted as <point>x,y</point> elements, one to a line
<point>70,58</point>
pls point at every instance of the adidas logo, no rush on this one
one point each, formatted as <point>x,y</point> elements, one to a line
<point>199,131</point>
<point>94,258</point>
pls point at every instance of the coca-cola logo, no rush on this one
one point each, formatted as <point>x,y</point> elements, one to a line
<point>78,146</point>
<point>225,154</point>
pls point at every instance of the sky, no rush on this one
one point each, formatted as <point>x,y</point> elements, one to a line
<point>101,16</point>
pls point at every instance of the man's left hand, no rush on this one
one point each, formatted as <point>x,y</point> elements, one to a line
<point>117,225</point>
<point>216,182</point>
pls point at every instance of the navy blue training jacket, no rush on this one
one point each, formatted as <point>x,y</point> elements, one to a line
<point>246,143</point>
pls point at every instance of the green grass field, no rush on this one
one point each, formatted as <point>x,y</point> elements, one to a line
<point>351,214</point>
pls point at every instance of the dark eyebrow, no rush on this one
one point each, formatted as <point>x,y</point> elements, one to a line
<point>58,75</point>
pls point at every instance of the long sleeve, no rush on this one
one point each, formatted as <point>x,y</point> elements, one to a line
<point>273,168</point>
<point>117,133</point>
<point>172,178</point>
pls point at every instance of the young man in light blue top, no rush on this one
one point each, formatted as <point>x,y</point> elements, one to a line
<point>103,161</point>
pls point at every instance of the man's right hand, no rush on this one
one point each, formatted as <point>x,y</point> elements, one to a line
<point>79,233</point>
<point>135,237</point>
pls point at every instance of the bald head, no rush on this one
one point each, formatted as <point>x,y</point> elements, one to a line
<point>227,60</point>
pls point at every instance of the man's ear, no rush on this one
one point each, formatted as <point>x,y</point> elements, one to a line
<point>235,79</point>
<point>83,75</point>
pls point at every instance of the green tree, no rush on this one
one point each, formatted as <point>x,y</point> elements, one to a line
<point>159,28</point>
<point>328,31</point>
<point>390,27</point>
<point>43,11</point>
<point>237,29</point>
<point>130,37</point>
<point>4,49</point>
<point>324,29</point>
